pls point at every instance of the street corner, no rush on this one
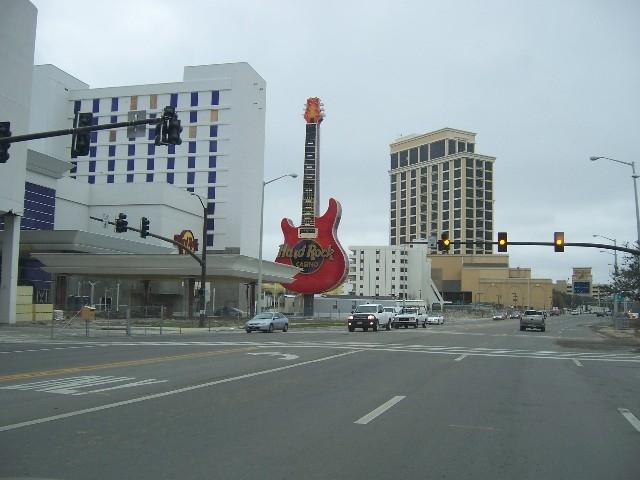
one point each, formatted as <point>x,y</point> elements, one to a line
<point>627,336</point>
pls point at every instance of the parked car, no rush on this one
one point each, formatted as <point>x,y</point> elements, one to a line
<point>515,314</point>
<point>499,316</point>
<point>575,311</point>
<point>267,322</point>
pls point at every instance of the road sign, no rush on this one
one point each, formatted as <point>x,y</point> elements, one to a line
<point>137,130</point>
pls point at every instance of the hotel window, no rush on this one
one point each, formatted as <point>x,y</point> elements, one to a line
<point>153,101</point>
<point>424,153</point>
<point>214,115</point>
<point>437,149</point>
<point>193,131</point>
<point>404,158</point>
<point>112,135</point>
<point>133,105</point>
<point>413,157</point>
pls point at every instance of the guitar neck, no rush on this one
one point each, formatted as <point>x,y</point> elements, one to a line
<point>310,184</point>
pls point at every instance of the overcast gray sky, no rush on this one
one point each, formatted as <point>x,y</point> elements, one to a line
<point>544,84</point>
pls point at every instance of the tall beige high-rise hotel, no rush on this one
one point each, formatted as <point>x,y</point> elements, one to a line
<point>440,184</point>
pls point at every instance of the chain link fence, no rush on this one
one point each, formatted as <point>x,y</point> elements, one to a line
<point>136,320</point>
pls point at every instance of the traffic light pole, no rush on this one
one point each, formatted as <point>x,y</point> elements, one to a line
<point>458,243</point>
<point>72,131</point>
<point>160,237</point>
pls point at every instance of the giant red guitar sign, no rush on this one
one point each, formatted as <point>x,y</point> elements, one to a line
<point>313,246</point>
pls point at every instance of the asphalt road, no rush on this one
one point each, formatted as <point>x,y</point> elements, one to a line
<point>468,399</point>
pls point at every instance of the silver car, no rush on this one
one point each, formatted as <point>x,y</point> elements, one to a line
<point>267,322</point>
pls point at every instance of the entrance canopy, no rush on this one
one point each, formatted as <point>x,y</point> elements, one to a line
<point>221,266</point>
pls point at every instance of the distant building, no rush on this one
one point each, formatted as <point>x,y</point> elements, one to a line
<point>394,272</point>
<point>465,279</point>
<point>440,184</point>
<point>582,281</point>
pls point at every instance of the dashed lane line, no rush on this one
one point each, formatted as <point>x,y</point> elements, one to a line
<point>631,418</point>
<point>380,410</point>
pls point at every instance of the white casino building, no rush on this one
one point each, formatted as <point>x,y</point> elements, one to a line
<point>401,272</point>
<point>46,198</point>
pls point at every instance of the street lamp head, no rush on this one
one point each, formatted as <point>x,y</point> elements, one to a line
<point>593,159</point>
<point>293,175</point>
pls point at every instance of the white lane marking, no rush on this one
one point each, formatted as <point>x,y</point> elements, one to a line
<point>283,356</point>
<point>149,381</point>
<point>577,362</point>
<point>68,386</point>
<point>631,418</point>
<point>380,410</point>
<point>460,357</point>
<point>153,396</point>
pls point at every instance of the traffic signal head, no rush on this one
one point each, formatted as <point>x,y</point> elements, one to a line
<point>174,130</point>
<point>558,241</point>
<point>80,141</point>
<point>5,131</point>
<point>171,127</point>
<point>121,223</point>
<point>144,227</point>
<point>502,241</point>
<point>444,244</point>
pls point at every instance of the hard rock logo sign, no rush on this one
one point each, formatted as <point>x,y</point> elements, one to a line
<point>306,255</point>
<point>188,240</point>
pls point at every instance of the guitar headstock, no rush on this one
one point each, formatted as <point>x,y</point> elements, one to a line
<point>313,113</point>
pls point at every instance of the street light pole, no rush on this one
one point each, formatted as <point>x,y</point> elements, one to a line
<point>203,264</point>
<point>264,184</point>
<point>615,252</point>
<point>635,188</point>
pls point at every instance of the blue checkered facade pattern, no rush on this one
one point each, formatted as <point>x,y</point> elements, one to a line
<point>194,165</point>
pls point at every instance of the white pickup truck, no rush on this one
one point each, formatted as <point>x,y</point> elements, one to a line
<point>532,319</point>
<point>369,315</point>
<point>411,316</point>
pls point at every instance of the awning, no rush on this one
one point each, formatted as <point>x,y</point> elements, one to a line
<point>223,266</point>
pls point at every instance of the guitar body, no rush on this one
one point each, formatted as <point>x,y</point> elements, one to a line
<point>319,254</point>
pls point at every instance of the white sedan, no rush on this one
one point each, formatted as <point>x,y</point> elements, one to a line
<point>435,319</point>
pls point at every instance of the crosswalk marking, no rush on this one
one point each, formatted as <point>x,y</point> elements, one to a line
<point>74,385</point>
<point>624,356</point>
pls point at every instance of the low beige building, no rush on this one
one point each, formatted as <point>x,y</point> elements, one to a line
<point>489,279</point>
